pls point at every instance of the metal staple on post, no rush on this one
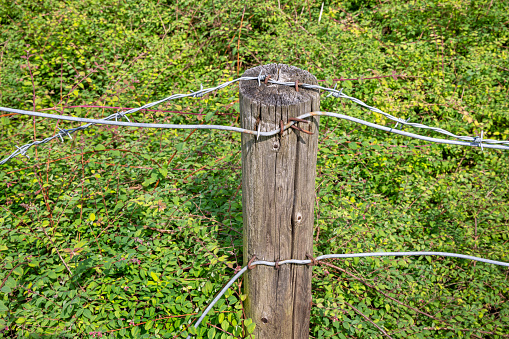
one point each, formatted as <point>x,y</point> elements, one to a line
<point>250,262</point>
<point>253,264</point>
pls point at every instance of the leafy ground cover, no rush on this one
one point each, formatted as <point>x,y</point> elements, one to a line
<point>130,232</point>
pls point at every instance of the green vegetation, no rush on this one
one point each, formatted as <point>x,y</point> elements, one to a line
<point>129,232</point>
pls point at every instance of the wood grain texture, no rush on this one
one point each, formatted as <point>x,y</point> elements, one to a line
<point>278,196</point>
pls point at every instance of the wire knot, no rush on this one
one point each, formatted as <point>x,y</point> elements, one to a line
<point>276,264</point>
<point>121,115</point>
<point>249,266</point>
<point>313,260</point>
<point>260,78</point>
<point>335,93</point>
<point>478,140</point>
<point>198,94</point>
<point>23,151</point>
<point>62,133</point>
<point>403,121</point>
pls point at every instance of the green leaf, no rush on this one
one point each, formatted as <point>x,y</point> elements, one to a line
<point>163,171</point>
<point>180,146</point>
<point>221,317</point>
<point>33,263</point>
<point>87,313</point>
<point>134,330</point>
<point>3,308</point>
<point>192,330</point>
<point>100,148</point>
<point>209,116</point>
<point>91,216</point>
<point>18,271</point>
<point>148,325</point>
<point>250,328</point>
<point>353,145</point>
<point>154,276</point>
<point>225,325</point>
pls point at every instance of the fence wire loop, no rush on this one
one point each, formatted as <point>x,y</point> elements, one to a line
<point>249,266</point>
<point>313,260</point>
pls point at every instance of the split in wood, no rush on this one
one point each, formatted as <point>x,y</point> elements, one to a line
<point>250,262</point>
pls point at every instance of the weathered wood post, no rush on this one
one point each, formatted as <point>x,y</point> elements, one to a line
<point>278,197</point>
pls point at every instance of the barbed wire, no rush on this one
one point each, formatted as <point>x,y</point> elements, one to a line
<point>258,133</point>
<point>113,120</point>
<point>334,256</point>
<point>467,140</point>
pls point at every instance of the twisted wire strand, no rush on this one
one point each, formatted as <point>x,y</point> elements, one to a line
<point>470,141</point>
<point>90,122</point>
<point>23,149</point>
<point>338,256</point>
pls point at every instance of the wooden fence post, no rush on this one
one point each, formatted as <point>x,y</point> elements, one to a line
<point>278,197</point>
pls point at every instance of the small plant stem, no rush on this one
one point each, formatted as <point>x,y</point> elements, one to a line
<point>238,40</point>
<point>368,319</point>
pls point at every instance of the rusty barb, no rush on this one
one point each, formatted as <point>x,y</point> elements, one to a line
<point>282,126</point>
<point>297,127</point>
<point>300,129</point>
